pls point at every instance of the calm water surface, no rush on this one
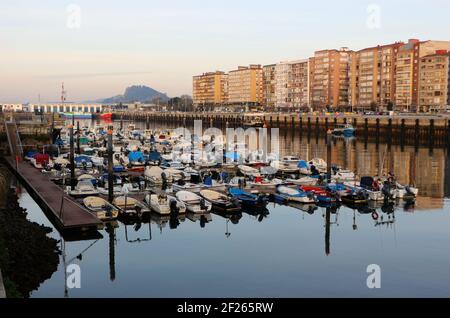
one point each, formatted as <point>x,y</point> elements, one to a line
<point>289,253</point>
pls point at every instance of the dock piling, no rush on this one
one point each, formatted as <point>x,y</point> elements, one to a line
<point>110,166</point>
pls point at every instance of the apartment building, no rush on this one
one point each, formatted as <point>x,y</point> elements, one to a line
<point>434,81</point>
<point>282,75</point>
<point>407,70</point>
<point>372,76</point>
<point>269,85</point>
<point>329,78</point>
<point>298,94</point>
<point>245,86</point>
<point>210,89</point>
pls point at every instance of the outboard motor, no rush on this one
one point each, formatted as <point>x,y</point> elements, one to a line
<point>203,204</point>
<point>174,210</point>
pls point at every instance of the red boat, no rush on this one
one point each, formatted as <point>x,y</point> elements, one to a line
<point>323,196</point>
<point>106,116</point>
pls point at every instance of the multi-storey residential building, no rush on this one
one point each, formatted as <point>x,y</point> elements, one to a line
<point>292,84</point>
<point>282,75</point>
<point>330,82</point>
<point>210,89</point>
<point>407,70</point>
<point>269,85</point>
<point>434,81</point>
<point>372,76</point>
<point>299,84</point>
<point>245,86</point>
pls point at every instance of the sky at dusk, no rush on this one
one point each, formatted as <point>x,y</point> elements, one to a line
<point>98,48</point>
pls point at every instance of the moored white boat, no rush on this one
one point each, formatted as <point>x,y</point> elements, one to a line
<point>101,208</point>
<point>194,203</point>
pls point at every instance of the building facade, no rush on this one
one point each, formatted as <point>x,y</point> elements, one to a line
<point>66,108</point>
<point>210,89</point>
<point>372,76</point>
<point>292,84</point>
<point>282,75</point>
<point>269,85</point>
<point>407,70</point>
<point>245,86</point>
<point>299,84</point>
<point>434,81</point>
<point>329,76</point>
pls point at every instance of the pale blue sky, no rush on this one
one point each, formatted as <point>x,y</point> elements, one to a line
<point>164,43</point>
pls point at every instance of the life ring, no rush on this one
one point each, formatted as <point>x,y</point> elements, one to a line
<point>375,216</point>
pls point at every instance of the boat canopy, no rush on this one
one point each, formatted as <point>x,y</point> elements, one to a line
<point>136,156</point>
<point>233,156</point>
<point>154,156</point>
<point>303,164</point>
<point>31,153</point>
<point>81,159</point>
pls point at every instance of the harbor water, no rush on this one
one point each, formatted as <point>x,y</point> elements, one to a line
<point>288,251</point>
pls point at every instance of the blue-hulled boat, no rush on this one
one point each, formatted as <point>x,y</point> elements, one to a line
<point>346,130</point>
<point>248,199</point>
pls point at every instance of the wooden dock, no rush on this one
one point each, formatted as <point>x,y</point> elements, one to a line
<point>66,213</point>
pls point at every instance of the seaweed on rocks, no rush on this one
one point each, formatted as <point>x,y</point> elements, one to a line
<point>28,257</point>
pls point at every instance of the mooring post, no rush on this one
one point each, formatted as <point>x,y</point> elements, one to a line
<point>326,124</point>
<point>147,123</point>
<point>448,133</point>
<point>121,122</point>
<point>329,145</point>
<point>377,133</point>
<point>317,127</point>
<point>390,130</point>
<point>78,138</point>
<point>402,130</point>
<point>366,127</point>
<point>431,137</point>
<point>327,231</point>
<point>110,165</point>
<point>72,159</point>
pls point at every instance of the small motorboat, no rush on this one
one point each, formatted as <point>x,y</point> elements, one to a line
<point>248,171</point>
<point>341,175</point>
<point>176,206</point>
<point>220,201</point>
<point>130,206</point>
<point>296,195</point>
<point>84,188</point>
<point>304,181</point>
<point>291,160</point>
<point>158,202</point>
<point>367,184</point>
<point>194,203</point>
<point>154,175</point>
<point>101,208</point>
<point>247,199</point>
<point>39,160</point>
<point>320,164</point>
<point>322,194</point>
<point>346,130</point>
<point>405,192</point>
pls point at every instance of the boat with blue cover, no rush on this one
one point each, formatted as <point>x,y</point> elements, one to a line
<point>248,199</point>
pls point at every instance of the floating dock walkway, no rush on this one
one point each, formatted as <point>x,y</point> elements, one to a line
<point>68,214</point>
